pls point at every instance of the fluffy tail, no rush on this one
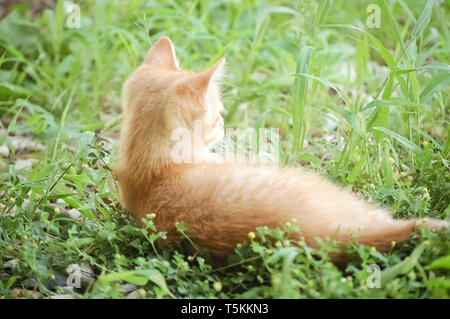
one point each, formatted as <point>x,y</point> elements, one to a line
<point>382,235</point>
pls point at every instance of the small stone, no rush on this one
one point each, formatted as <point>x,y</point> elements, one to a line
<point>29,283</point>
<point>61,202</point>
<point>80,275</point>
<point>76,215</point>
<point>26,145</point>
<point>4,151</point>
<point>127,289</point>
<point>73,213</point>
<point>24,164</point>
<point>57,280</point>
<point>62,296</point>
<point>11,264</point>
<point>134,295</point>
<point>25,293</point>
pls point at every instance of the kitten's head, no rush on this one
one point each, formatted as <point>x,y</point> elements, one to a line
<point>159,98</point>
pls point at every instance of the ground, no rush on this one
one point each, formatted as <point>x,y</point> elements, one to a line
<point>358,92</point>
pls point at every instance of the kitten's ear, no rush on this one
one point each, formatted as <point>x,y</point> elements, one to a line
<point>201,81</point>
<point>162,54</point>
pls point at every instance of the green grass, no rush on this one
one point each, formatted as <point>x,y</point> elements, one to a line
<point>368,108</point>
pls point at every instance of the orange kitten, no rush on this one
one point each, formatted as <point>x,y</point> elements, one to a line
<point>222,202</point>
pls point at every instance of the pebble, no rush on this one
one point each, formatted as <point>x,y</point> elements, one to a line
<point>127,289</point>
<point>62,296</point>
<point>26,145</point>
<point>80,275</point>
<point>20,146</point>
<point>4,150</point>
<point>74,214</point>
<point>10,264</point>
<point>59,280</point>
<point>134,295</point>
<point>25,293</point>
<point>24,164</point>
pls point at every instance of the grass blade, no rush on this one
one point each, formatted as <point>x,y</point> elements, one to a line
<point>437,84</point>
<point>322,11</point>
<point>424,19</point>
<point>299,99</point>
<point>405,142</point>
